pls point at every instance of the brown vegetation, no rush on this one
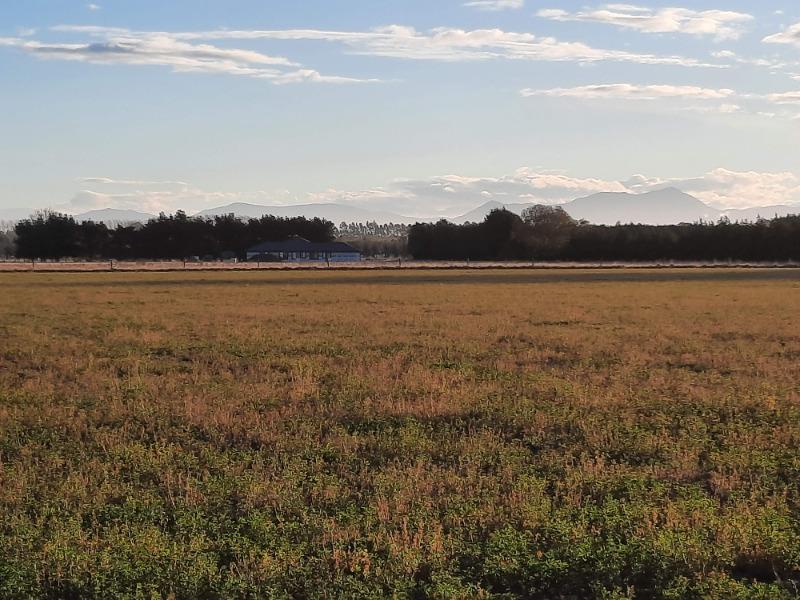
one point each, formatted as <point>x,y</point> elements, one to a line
<point>414,434</point>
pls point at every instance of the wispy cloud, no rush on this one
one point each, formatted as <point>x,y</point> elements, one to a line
<point>726,108</point>
<point>524,185</point>
<point>681,97</point>
<point>439,44</point>
<point>720,24</point>
<point>768,63</point>
<point>495,5</point>
<point>791,35</point>
<point>119,46</point>
<point>631,91</point>
<point>131,182</point>
<point>785,98</point>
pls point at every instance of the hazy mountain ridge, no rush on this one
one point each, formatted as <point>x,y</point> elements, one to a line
<point>669,206</point>
<point>336,213</point>
<point>113,216</point>
<point>662,207</point>
<point>763,212</point>
<point>15,214</point>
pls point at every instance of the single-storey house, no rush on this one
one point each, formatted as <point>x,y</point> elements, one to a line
<point>300,250</point>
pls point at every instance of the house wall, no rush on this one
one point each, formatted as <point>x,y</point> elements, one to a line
<point>346,257</point>
<point>305,257</point>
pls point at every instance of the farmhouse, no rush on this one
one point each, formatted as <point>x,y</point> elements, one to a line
<point>299,249</point>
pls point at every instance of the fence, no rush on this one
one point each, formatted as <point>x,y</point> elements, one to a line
<point>176,266</point>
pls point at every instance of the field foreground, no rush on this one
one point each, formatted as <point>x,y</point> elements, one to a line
<point>491,434</point>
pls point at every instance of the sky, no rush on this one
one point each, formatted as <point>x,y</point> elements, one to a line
<point>419,107</point>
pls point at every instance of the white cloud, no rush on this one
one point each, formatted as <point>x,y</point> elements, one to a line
<point>773,65</point>
<point>161,49</point>
<point>159,199</point>
<point>447,44</point>
<point>723,188</point>
<point>682,97</point>
<point>441,44</point>
<point>729,108</point>
<point>785,98</point>
<point>720,24</point>
<point>791,35</point>
<point>631,91</point>
<point>495,5</point>
<point>453,195</point>
<point>94,7</point>
<point>447,195</point>
<point>527,184</point>
<point>130,182</point>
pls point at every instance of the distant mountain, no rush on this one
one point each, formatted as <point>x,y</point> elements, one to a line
<point>662,207</point>
<point>479,214</point>
<point>336,213</point>
<point>15,214</point>
<point>764,212</point>
<point>113,216</point>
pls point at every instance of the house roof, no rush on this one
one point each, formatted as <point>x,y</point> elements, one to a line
<point>298,244</point>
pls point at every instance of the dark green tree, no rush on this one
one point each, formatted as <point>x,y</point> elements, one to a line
<point>549,229</point>
<point>48,235</point>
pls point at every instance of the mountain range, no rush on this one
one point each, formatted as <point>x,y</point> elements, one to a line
<point>336,213</point>
<point>661,207</point>
<point>8,215</point>
<point>114,216</point>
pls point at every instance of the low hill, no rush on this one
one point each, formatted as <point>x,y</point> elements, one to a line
<point>113,216</point>
<point>336,213</point>
<point>662,207</point>
<point>764,212</point>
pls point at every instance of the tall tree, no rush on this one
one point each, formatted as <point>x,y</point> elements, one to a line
<point>48,235</point>
<point>7,246</point>
<point>550,229</point>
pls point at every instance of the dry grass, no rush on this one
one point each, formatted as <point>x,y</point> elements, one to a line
<point>446,435</point>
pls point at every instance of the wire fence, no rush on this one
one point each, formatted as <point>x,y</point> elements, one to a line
<point>66,266</point>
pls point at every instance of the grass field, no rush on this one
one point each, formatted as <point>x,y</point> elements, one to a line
<point>486,434</point>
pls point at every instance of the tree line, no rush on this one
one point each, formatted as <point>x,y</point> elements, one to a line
<point>541,233</point>
<point>379,246</point>
<point>7,245</point>
<point>372,229</point>
<point>376,240</point>
<point>178,236</point>
<point>549,233</point>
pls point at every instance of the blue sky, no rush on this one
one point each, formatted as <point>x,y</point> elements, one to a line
<point>418,107</point>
